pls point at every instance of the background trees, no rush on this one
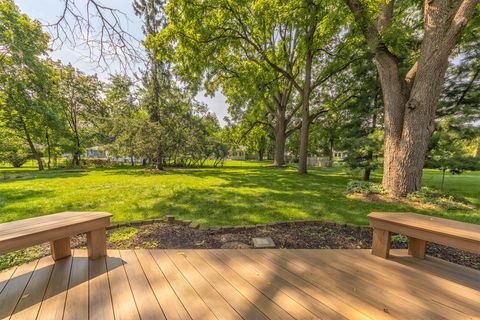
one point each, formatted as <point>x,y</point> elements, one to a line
<point>301,78</point>
<point>24,77</point>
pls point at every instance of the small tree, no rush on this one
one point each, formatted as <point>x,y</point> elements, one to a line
<point>448,148</point>
<point>13,149</point>
<point>364,151</point>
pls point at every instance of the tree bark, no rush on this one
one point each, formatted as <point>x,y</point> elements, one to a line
<point>330,151</point>
<point>366,174</point>
<point>410,101</point>
<point>159,163</point>
<point>48,149</point>
<point>306,120</point>
<point>260,154</point>
<point>32,145</point>
<point>280,138</point>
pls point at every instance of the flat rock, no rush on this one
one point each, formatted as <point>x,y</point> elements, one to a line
<point>230,237</point>
<point>235,245</point>
<point>266,242</point>
<point>194,225</point>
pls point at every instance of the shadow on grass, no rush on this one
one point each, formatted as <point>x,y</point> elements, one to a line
<point>25,175</point>
<point>264,195</point>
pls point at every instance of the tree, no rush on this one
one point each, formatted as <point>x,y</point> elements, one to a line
<point>157,78</point>
<point>13,149</point>
<point>124,118</point>
<point>461,94</point>
<point>448,148</point>
<point>266,50</point>
<point>411,73</point>
<point>25,78</point>
<point>81,103</point>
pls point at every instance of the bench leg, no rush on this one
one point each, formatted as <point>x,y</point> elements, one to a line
<point>60,248</point>
<point>97,243</point>
<point>416,247</point>
<point>381,243</point>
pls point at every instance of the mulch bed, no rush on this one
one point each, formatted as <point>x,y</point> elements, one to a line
<point>321,235</point>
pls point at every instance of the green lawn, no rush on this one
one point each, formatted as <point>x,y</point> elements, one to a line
<point>240,193</point>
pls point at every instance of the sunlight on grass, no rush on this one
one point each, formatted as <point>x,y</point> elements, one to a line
<point>241,192</point>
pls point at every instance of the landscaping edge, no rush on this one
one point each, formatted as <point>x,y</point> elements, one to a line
<point>171,219</point>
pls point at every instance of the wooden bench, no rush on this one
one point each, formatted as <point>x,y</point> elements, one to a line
<point>420,229</point>
<point>57,228</point>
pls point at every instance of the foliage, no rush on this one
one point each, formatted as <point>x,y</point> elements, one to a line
<point>448,149</point>
<point>445,201</point>
<point>18,257</point>
<point>16,158</point>
<point>12,148</point>
<point>364,187</point>
<point>25,77</point>
<point>122,234</point>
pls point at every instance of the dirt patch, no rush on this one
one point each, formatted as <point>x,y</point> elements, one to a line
<point>373,197</point>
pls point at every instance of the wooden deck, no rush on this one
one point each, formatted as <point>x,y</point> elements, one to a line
<point>236,284</point>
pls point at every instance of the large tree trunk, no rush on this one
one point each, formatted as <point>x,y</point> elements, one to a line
<point>32,145</point>
<point>331,141</point>
<point>260,154</point>
<point>159,162</point>
<point>410,101</point>
<point>306,120</point>
<point>280,138</point>
<point>48,149</point>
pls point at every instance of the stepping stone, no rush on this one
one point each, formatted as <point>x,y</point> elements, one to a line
<point>235,245</point>
<point>266,242</point>
<point>230,237</point>
<point>194,225</point>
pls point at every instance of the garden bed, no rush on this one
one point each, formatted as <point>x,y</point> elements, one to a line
<point>313,235</point>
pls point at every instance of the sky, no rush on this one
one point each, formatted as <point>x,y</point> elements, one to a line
<point>48,11</point>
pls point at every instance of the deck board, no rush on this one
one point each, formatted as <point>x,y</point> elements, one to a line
<point>240,284</point>
<point>76,304</point>
<point>31,300</point>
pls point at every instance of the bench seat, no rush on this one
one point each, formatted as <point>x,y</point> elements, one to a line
<point>57,228</point>
<point>420,229</point>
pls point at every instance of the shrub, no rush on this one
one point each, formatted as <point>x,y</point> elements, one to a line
<point>96,162</point>
<point>15,258</point>
<point>16,159</point>
<point>436,197</point>
<point>364,187</point>
<point>122,234</point>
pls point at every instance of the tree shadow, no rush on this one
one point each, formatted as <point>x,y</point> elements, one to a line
<point>259,195</point>
<point>50,280</point>
<point>9,197</point>
<point>9,176</point>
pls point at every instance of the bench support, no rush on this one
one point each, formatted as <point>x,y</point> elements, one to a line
<point>416,247</point>
<point>381,243</point>
<point>97,243</point>
<point>60,248</point>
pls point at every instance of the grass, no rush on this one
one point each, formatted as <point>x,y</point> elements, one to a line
<point>243,192</point>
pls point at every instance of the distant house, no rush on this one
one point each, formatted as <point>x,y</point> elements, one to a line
<point>96,152</point>
<point>339,154</point>
<point>99,152</point>
<point>238,153</point>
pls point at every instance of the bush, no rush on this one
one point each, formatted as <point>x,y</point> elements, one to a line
<point>16,159</point>
<point>122,234</point>
<point>436,197</point>
<point>364,187</point>
<point>96,162</point>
